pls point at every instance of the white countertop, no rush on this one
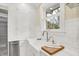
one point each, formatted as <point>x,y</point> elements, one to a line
<point>37,44</point>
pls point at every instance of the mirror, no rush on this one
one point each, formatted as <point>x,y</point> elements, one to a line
<point>53,17</point>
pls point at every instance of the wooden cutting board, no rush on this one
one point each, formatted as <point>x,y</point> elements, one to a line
<point>51,50</point>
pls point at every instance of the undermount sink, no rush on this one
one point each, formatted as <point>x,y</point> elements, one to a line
<point>50,45</point>
<point>54,46</point>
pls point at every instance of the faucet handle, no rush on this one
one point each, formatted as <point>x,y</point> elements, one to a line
<point>51,39</point>
<point>53,42</point>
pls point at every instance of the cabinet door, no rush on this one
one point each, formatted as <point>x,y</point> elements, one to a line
<point>25,48</point>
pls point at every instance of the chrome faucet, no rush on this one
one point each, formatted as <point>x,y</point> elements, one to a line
<point>48,38</point>
<point>46,34</point>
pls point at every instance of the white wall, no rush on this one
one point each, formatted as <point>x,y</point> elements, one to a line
<point>12,18</point>
<point>71,29</point>
<point>71,42</point>
<point>24,21</point>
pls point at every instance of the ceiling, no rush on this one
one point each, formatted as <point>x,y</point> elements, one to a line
<point>36,5</point>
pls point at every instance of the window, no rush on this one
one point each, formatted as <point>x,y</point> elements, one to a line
<point>53,18</point>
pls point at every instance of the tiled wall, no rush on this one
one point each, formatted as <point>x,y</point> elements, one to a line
<point>23,21</point>
<point>71,29</point>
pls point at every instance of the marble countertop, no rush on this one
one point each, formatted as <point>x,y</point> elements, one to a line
<point>37,44</point>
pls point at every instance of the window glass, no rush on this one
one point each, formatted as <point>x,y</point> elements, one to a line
<point>53,18</point>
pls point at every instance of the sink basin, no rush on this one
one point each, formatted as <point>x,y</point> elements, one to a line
<point>50,45</point>
<point>54,46</point>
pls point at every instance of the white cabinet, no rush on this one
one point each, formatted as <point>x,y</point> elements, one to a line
<point>26,49</point>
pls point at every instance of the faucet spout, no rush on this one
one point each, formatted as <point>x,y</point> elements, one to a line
<point>46,35</point>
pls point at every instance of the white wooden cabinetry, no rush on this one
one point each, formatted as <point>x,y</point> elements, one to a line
<point>26,49</point>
